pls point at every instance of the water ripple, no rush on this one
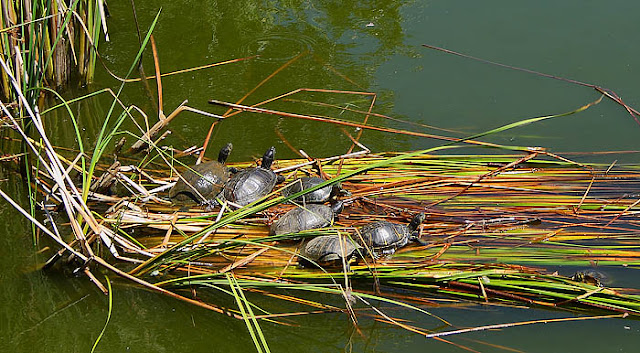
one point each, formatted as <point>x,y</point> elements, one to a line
<point>279,47</point>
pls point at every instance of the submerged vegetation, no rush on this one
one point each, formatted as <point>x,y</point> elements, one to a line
<point>493,222</point>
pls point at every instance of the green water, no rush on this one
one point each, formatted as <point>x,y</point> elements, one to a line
<point>375,47</point>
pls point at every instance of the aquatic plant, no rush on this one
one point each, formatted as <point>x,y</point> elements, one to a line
<point>45,42</point>
<point>493,221</point>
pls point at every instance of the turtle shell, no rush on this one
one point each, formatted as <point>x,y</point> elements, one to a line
<point>207,178</point>
<point>250,185</point>
<point>385,237</point>
<point>592,277</point>
<point>311,216</point>
<point>327,248</point>
<point>317,196</point>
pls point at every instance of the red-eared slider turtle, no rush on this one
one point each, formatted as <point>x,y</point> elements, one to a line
<point>203,182</point>
<point>327,250</point>
<point>317,196</point>
<point>301,218</point>
<point>252,184</point>
<point>385,237</point>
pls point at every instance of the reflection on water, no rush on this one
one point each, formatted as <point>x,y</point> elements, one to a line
<point>279,47</point>
<point>345,45</point>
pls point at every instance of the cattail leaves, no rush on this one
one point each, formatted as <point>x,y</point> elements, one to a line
<point>48,40</point>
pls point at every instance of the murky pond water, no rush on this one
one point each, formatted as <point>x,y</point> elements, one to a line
<point>357,47</point>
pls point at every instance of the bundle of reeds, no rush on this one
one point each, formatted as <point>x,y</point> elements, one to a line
<point>494,221</point>
<point>481,209</point>
<point>44,42</point>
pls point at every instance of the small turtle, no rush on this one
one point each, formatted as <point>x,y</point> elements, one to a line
<point>204,182</point>
<point>592,277</point>
<point>301,218</point>
<point>252,184</point>
<point>385,237</point>
<point>317,196</point>
<point>327,250</point>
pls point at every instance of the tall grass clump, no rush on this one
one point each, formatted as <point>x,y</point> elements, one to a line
<point>45,42</point>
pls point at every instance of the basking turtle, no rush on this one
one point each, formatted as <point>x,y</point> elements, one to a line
<point>317,196</point>
<point>385,237</point>
<point>204,182</point>
<point>327,250</point>
<point>252,184</point>
<point>592,277</point>
<point>301,218</point>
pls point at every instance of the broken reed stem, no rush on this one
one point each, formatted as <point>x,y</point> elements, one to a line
<point>523,323</point>
<point>363,112</point>
<point>530,156</point>
<point>604,91</point>
<point>155,288</point>
<point>143,141</point>
<point>156,62</point>
<point>228,113</point>
<point>347,123</point>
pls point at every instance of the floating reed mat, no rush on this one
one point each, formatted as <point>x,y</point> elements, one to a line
<point>494,230</point>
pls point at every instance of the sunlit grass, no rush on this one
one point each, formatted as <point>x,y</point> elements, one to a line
<point>494,221</point>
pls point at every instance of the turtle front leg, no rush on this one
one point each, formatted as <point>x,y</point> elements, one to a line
<point>419,240</point>
<point>209,205</point>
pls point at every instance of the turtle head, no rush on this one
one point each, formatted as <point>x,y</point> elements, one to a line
<point>415,221</point>
<point>224,152</point>
<point>268,158</point>
<point>337,190</point>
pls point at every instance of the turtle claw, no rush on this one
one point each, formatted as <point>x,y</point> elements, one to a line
<point>344,193</point>
<point>209,205</point>
<point>420,241</point>
<point>339,191</point>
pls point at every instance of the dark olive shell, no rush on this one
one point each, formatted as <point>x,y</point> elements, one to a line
<point>328,248</point>
<point>385,237</point>
<point>207,178</point>
<point>250,185</point>
<point>317,196</point>
<point>311,216</point>
<point>592,277</point>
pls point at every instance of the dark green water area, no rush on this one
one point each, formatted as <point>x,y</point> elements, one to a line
<point>364,46</point>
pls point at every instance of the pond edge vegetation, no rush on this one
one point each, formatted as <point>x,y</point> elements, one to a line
<point>229,250</point>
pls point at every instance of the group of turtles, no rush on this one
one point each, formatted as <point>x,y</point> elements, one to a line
<point>209,182</point>
<point>206,182</point>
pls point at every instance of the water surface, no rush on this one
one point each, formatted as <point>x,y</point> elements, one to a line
<point>351,46</point>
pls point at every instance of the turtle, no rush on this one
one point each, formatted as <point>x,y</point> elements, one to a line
<point>251,184</point>
<point>592,277</point>
<point>204,182</point>
<point>317,196</point>
<point>385,237</point>
<point>301,218</point>
<point>327,250</point>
